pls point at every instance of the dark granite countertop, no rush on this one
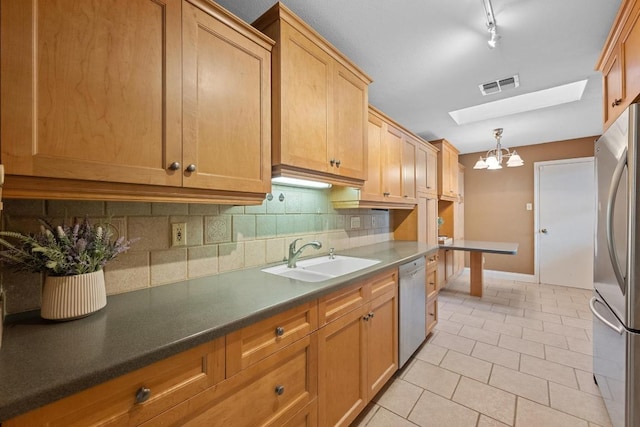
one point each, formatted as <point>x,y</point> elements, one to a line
<point>42,361</point>
<point>505,248</point>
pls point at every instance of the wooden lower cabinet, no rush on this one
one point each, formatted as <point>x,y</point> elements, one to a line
<point>268,393</point>
<point>432,312</point>
<point>358,353</point>
<point>114,403</point>
<point>281,371</point>
<point>342,389</point>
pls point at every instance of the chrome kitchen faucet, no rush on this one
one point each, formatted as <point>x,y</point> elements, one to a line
<point>295,254</point>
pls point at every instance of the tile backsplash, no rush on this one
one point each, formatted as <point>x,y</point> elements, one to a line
<point>220,238</point>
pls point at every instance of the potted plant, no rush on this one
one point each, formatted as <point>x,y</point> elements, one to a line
<point>72,258</point>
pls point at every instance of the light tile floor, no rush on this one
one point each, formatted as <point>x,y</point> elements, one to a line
<point>519,356</point>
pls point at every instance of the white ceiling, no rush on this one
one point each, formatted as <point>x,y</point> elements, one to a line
<point>428,57</point>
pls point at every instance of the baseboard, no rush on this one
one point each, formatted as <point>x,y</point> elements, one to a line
<point>506,275</point>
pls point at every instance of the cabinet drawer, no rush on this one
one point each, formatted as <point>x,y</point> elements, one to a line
<point>431,281</point>
<point>432,313</point>
<point>251,397</point>
<point>341,302</point>
<point>383,283</point>
<point>306,417</point>
<point>255,342</point>
<point>169,382</point>
<point>432,261</point>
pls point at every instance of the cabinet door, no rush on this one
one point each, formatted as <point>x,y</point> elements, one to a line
<point>372,189</point>
<point>613,88</point>
<point>432,172</point>
<point>348,148</point>
<point>432,221</point>
<point>304,102</point>
<point>432,313</point>
<point>342,353</point>
<point>408,169</point>
<point>392,164</point>
<point>423,219</point>
<point>91,90</point>
<point>630,42</point>
<point>452,169</point>
<point>226,113</point>
<point>421,168</point>
<point>382,336</point>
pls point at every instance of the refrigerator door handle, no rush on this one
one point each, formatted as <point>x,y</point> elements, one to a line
<point>611,200</point>
<point>592,305</point>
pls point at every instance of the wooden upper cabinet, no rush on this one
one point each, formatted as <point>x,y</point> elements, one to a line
<point>619,62</point>
<point>85,86</point>
<point>348,148</point>
<point>320,113</point>
<point>226,113</point>
<point>98,96</point>
<point>392,161</point>
<point>432,170</point>
<point>426,169</point>
<point>372,188</point>
<point>447,170</point>
<point>409,148</point>
<point>392,158</point>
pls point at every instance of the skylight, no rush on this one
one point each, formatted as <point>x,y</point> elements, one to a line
<point>521,103</point>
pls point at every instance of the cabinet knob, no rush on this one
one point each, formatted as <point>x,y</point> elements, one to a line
<point>617,101</point>
<point>406,196</point>
<point>279,390</point>
<point>174,166</point>
<point>332,162</point>
<point>544,230</point>
<point>143,394</point>
<point>191,168</point>
<point>371,314</point>
<point>279,331</point>
<point>365,317</point>
<point>338,163</point>
<point>386,194</point>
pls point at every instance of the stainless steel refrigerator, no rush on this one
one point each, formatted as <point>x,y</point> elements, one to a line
<point>616,297</point>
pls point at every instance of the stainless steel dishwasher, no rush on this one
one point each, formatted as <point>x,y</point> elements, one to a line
<point>412,308</point>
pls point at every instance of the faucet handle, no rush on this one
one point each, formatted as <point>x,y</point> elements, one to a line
<point>332,254</point>
<point>292,245</point>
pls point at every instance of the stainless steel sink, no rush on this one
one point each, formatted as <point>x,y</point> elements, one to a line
<point>322,268</point>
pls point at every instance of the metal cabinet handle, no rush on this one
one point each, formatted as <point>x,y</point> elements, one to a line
<point>386,194</point>
<point>365,317</point>
<point>174,166</point>
<point>543,230</point>
<point>279,331</point>
<point>143,394</point>
<point>616,102</point>
<point>279,390</point>
<point>371,314</point>
<point>338,163</point>
<point>191,168</point>
<point>332,162</point>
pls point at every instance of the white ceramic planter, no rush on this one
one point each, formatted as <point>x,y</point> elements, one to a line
<point>72,297</point>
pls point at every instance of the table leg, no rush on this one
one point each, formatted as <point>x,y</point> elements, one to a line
<point>476,274</point>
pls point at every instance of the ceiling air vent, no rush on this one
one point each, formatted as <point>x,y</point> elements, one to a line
<point>499,85</point>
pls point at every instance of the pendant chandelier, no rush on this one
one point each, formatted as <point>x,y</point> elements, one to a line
<point>493,159</point>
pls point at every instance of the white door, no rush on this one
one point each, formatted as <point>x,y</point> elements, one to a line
<point>565,222</point>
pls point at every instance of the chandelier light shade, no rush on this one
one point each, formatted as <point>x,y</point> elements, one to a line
<point>494,157</point>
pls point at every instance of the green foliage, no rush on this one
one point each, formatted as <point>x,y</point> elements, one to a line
<point>62,250</point>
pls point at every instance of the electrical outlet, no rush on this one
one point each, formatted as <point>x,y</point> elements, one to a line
<point>355,222</point>
<point>179,234</point>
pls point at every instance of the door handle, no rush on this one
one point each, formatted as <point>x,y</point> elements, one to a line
<point>611,201</point>
<point>543,230</point>
<point>592,306</point>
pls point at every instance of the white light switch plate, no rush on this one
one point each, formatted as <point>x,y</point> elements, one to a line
<point>529,206</point>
